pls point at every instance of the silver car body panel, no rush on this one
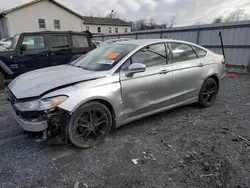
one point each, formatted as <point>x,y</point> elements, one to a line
<point>35,83</point>
<point>107,89</point>
<point>146,93</point>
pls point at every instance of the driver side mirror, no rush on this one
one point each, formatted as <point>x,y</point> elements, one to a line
<point>135,68</point>
<point>23,47</point>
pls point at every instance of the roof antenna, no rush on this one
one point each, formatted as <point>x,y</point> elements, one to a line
<point>222,45</point>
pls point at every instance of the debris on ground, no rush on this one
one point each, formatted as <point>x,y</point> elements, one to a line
<point>207,175</point>
<point>135,161</point>
<point>76,184</point>
<point>242,138</point>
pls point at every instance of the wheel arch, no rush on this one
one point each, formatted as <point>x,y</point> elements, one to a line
<point>106,103</point>
<point>216,78</point>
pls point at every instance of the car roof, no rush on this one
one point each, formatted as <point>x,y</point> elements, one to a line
<point>57,32</point>
<point>144,42</point>
<point>141,42</point>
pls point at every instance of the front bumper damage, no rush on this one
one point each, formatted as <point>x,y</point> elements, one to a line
<point>51,123</point>
<point>30,125</point>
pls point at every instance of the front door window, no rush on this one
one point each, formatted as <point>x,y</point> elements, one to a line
<point>33,53</point>
<point>34,42</point>
<point>151,56</point>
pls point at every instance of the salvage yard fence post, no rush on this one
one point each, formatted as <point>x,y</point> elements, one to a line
<point>198,35</point>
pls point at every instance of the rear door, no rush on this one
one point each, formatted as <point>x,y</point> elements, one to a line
<point>36,54</point>
<point>187,72</point>
<point>60,48</point>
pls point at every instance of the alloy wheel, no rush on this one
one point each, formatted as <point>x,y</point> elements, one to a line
<point>209,92</point>
<point>91,125</point>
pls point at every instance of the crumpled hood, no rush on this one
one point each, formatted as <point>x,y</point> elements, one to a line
<point>35,83</point>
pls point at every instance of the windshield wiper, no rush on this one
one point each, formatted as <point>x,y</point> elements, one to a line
<point>81,67</point>
<point>76,66</point>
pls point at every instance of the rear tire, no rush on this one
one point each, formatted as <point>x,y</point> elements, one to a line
<point>208,93</point>
<point>89,125</point>
<point>1,81</point>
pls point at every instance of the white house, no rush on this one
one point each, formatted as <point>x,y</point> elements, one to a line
<point>40,15</point>
<point>106,25</point>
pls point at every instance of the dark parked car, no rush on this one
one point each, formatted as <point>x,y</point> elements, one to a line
<point>30,51</point>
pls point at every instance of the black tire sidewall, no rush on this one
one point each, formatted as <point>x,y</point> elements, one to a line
<point>1,80</point>
<point>201,99</point>
<point>75,116</point>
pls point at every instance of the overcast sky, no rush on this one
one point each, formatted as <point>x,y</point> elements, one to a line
<point>187,12</point>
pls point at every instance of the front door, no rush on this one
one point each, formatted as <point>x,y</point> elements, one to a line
<point>149,90</point>
<point>33,55</point>
<point>61,52</point>
<point>187,73</point>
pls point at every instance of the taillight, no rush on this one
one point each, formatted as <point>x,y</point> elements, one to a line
<point>223,62</point>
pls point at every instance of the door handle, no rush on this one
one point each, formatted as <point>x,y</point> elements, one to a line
<point>200,65</point>
<point>163,72</point>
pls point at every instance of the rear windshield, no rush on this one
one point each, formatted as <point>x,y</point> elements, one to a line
<point>104,57</point>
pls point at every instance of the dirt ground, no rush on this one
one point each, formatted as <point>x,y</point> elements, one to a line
<point>185,147</point>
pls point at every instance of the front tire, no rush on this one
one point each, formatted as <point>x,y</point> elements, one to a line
<point>208,93</point>
<point>89,125</point>
<point>1,81</point>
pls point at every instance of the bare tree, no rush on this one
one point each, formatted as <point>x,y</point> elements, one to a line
<point>172,21</point>
<point>168,24</point>
<point>164,24</point>
<point>139,25</point>
<point>218,20</point>
<point>152,24</point>
<point>237,15</point>
<point>112,15</point>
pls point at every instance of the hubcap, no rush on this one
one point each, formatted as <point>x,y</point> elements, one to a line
<point>91,125</point>
<point>209,92</point>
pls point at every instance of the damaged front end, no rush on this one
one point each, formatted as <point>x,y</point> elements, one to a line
<point>42,116</point>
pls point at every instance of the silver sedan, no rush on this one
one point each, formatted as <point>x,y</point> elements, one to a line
<point>114,85</point>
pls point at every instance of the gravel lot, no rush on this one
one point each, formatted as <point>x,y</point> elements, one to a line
<point>185,147</point>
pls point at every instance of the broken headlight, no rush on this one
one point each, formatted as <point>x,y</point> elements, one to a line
<point>41,104</point>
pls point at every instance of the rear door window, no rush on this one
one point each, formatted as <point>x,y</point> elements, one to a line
<point>80,41</point>
<point>59,41</point>
<point>182,52</point>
